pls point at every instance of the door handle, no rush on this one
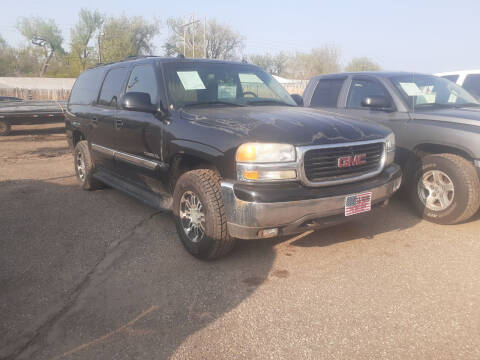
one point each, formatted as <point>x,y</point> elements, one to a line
<point>119,122</point>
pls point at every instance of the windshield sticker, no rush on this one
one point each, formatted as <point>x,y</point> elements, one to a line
<point>411,89</point>
<point>227,92</point>
<point>250,78</point>
<point>191,80</point>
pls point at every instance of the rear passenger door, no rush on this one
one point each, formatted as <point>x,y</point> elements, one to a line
<point>139,134</point>
<point>103,119</point>
<point>328,94</point>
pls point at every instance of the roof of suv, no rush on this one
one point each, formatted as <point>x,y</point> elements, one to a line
<point>168,59</point>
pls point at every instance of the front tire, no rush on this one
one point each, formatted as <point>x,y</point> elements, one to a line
<point>5,128</point>
<point>200,216</point>
<point>84,167</point>
<point>445,189</point>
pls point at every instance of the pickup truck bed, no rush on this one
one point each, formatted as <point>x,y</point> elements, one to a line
<point>29,112</point>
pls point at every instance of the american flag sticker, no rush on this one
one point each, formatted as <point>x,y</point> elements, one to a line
<point>359,203</point>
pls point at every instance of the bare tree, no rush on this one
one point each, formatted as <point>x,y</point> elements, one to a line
<point>45,34</point>
<point>323,60</point>
<point>362,64</point>
<point>274,64</point>
<point>221,41</point>
<point>89,23</point>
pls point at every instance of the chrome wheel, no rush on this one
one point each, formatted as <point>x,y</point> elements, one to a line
<point>192,217</point>
<point>436,190</point>
<point>80,163</point>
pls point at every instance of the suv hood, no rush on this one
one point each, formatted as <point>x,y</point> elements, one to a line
<point>466,115</point>
<point>283,124</point>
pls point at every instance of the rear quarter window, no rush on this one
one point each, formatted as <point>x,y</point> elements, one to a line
<point>85,89</point>
<point>326,93</point>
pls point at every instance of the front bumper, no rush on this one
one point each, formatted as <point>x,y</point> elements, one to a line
<point>324,207</point>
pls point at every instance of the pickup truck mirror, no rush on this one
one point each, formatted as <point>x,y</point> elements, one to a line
<point>298,99</point>
<point>138,101</point>
<point>376,102</point>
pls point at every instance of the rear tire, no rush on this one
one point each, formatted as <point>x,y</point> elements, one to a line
<point>85,167</point>
<point>445,189</point>
<point>200,216</point>
<point>5,128</point>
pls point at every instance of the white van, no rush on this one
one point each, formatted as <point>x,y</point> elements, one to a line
<point>468,79</point>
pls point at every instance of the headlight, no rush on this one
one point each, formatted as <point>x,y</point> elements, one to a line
<point>265,153</point>
<point>390,149</point>
<point>266,162</point>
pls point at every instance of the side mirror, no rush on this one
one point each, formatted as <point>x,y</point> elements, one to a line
<point>298,99</point>
<point>376,102</point>
<point>138,101</point>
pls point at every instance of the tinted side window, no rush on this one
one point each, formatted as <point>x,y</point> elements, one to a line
<point>85,90</point>
<point>452,78</point>
<point>112,86</point>
<point>472,84</point>
<point>362,88</point>
<point>143,79</point>
<point>327,92</point>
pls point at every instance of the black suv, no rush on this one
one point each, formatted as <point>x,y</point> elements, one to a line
<point>225,148</point>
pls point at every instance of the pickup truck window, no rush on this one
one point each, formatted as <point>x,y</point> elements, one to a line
<point>112,87</point>
<point>143,79</point>
<point>203,83</point>
<point>429,91</point>
<point>326,93</point>
<point>362,88</point>
<point>86,87</point>
<point>452,78</point>
<point>472,84</point>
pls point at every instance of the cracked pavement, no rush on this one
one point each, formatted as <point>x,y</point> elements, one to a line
<point>98,275</point>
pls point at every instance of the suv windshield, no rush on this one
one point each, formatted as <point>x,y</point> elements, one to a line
<point>432,91</point>
<point>222,84</point>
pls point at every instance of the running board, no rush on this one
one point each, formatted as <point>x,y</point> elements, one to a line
<point>147,197</point>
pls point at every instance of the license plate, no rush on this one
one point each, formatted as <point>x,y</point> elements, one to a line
<point>358,203</point>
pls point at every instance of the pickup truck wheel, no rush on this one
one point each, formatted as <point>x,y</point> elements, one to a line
<point>84,167</point>
<point>200,216</point>
<point>5,128</point>
<point>445,189</point>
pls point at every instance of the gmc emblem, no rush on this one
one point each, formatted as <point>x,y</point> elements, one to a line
<point>352,160</point>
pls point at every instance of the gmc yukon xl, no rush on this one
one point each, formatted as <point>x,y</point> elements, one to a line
<point>225,148</point>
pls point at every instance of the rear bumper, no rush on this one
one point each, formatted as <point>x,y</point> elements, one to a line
<point>246,219</point>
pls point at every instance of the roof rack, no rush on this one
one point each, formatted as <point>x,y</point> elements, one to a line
<point>128,58</point>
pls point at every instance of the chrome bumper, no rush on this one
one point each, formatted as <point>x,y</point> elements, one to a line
<point>246,219</point>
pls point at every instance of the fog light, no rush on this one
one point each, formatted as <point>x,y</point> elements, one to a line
<point>268,233</point>
<point>396,183</point>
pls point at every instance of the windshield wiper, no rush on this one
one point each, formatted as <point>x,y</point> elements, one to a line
<point>266,102</point>
<point>213,102</point>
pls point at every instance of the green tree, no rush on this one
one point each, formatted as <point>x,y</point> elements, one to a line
<point>89,23</point>
<point>44,34</point>
<point>362,64</point>
<point>7,58</point>
<point>215,40</point>
<point>123,36</point>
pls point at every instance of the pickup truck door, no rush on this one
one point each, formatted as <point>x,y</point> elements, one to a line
<point>139,134</point>
<point>102,130</point>
<point>362,86</point>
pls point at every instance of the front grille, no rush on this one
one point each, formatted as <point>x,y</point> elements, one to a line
<point>321,165</point>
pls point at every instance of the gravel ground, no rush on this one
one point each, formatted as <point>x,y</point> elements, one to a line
<point>98,275</point>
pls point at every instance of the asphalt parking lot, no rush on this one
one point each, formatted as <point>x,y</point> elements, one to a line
<point>98,275</point>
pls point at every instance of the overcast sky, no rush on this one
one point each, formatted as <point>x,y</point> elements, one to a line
<point>425,36</point>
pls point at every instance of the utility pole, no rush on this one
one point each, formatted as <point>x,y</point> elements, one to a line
<point>185,25</point>
<point>205,37</point>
